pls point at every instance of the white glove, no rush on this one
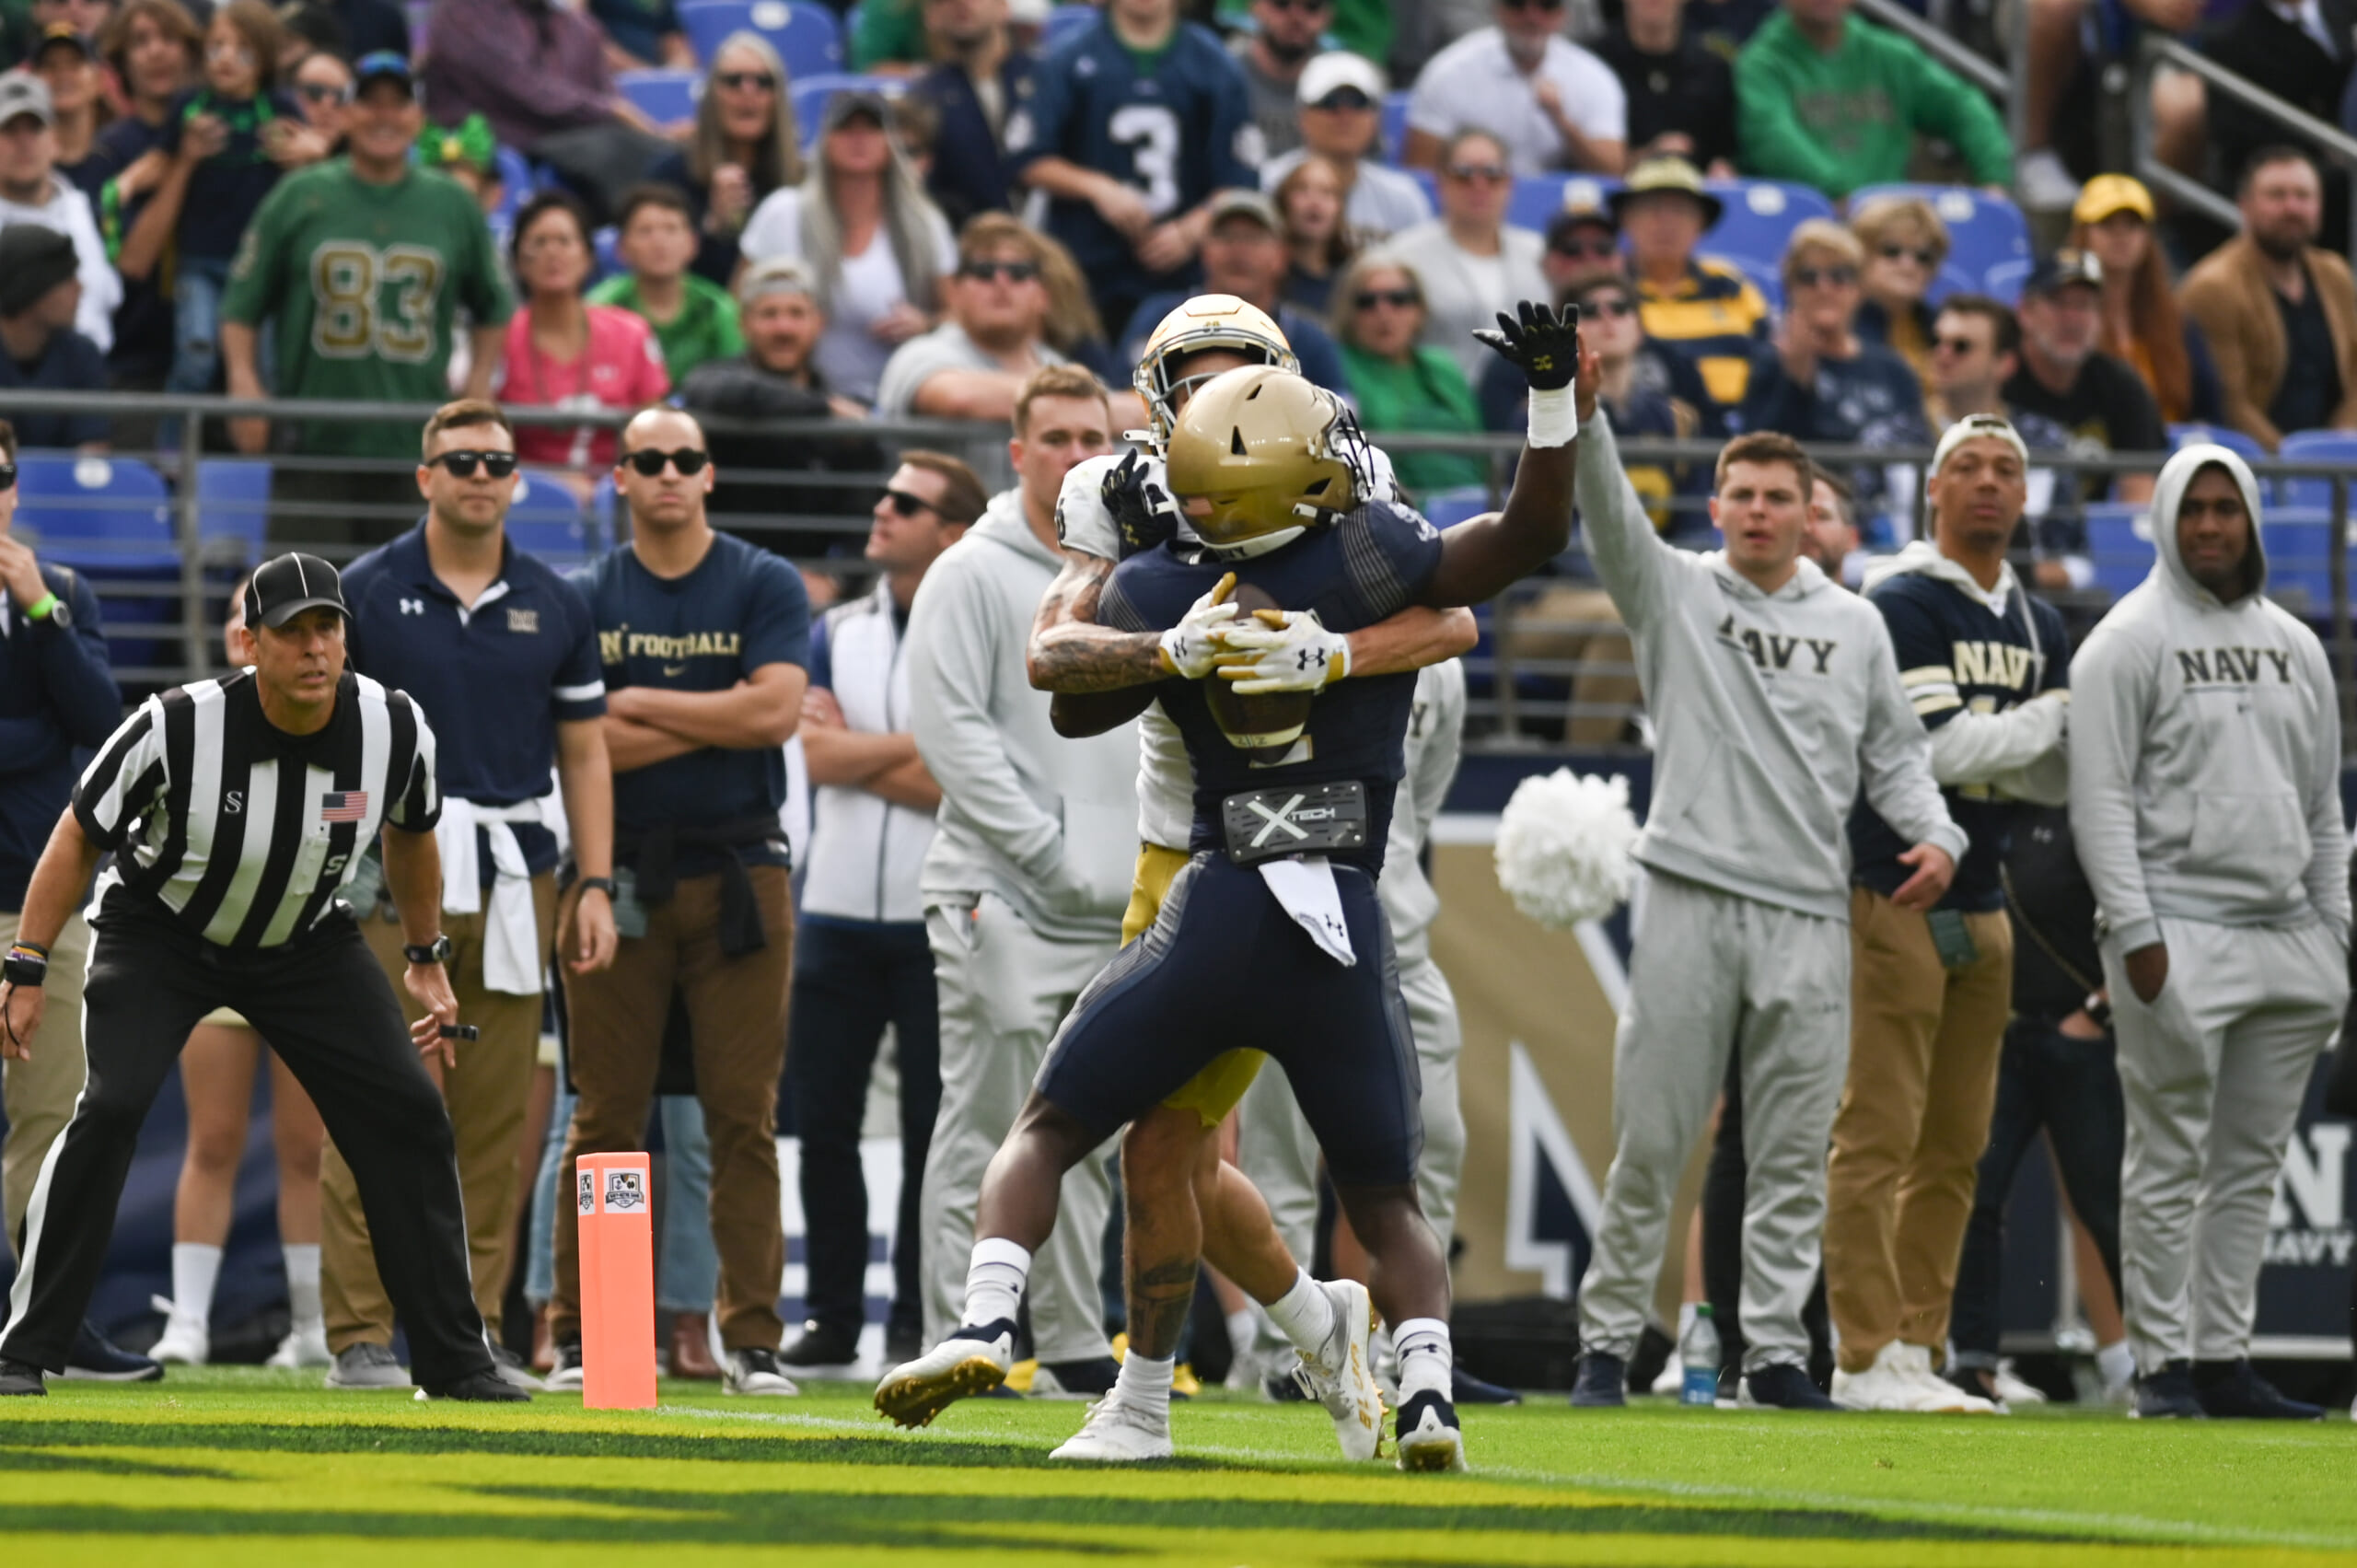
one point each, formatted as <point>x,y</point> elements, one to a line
<point>1191,648</point>
<point>1300,656</point>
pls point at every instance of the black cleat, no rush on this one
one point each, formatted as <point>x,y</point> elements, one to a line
<point>2233,1390</point>
<point>1603,1382</point>
<point>820,1344</point>
<point>20,1377</point>
<point>98,1359</point>
<point>476,1387</point>
<point>1783,1388</point>
<point>2167,1395</point>
<point>1425,1433</point>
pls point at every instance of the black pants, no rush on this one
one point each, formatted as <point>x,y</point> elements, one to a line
<point>2070,1087</point>
<point>1722,1183</point>
<point>850,978</point>
<point>325,1006</point>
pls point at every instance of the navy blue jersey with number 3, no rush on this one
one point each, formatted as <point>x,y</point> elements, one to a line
<point>1176,128</point>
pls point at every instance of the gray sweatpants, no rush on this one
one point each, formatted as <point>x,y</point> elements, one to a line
<point>1277,1150</point>
<point>1714,972</point>
<point>2212,1072</point>
<point>1004,991</point>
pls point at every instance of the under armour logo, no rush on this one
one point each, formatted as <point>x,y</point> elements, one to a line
<point>412,607</point>
<point>1283,817</point>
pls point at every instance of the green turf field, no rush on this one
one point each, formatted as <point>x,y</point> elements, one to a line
<point>252,1468</point>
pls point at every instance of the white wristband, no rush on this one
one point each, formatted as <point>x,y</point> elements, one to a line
<point>1554,417</point>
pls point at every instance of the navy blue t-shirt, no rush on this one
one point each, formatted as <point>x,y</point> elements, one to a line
<point>1365,568</point>
<point>70,363</point>
<point>226,189</point>
<point>494,681</point>
<point>1873,400</point>
<point>1955,657</point>
<point>741,608</point>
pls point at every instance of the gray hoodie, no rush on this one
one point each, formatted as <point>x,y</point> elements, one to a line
<point>1045,823</point>
<point>2205,748</point>
<point>1769,710</point>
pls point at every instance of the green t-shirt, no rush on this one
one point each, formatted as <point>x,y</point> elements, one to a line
<point>364,282</point>
<point>1429,394</point>
<point>891,32</point>
<point>704,329</point>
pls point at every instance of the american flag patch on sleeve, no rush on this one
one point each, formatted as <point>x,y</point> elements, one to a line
<point>343,805</point>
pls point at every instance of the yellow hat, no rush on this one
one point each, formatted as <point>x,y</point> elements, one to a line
<point>2109,193</point>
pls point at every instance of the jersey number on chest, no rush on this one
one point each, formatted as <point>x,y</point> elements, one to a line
<point>1151,133</point>
<point>349,320</point>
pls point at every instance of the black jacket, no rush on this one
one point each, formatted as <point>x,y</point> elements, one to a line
<point>58,703</point>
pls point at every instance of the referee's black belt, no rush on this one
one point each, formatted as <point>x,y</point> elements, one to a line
<point>654,856</point>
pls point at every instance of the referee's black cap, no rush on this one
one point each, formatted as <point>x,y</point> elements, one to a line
<point>285,586</point>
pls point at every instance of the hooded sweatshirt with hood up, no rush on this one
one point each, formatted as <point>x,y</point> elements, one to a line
<point>1769,710</point>
<point>2205,748</point>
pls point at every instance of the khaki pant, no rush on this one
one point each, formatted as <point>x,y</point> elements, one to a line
<point>1580,626</point>
<point>1925,1044</point>
<point>737,1017</point>
<point>486,1094</point>
<point>41,1093</point>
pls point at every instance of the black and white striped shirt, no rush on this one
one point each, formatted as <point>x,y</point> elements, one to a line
<point>243,832</point>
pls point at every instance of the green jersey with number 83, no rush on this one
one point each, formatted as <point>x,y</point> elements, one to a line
<point>363,283</point>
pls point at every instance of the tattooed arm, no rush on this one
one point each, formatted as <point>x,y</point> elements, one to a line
<point>1071,654</point>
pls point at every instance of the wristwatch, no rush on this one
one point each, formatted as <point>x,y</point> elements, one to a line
<point>2098,1009</point>
<point>26,965</point>
<point>603,884</point>
<point>434,952</point>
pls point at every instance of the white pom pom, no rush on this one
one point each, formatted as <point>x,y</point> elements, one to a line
<point>1566,847</point>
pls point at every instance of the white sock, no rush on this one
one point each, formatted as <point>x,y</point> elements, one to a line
<point>1145,1385</point>
<point>2116,1363</point>
<point>195,1266</point>
<point>1242,1329</point>
<point>994,1281</point>
<point>303,1281</point>
<point>1426,1362</point>
<point>1304,1314</point>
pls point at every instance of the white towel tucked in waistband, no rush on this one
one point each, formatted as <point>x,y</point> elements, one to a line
<point>1305,885</point>
<point>511,931</point>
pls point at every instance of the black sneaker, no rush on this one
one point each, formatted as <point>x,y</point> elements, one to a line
<point>1603,1382</point>
<point>486,1387</point>
<point>1467,1389</point>
<point>1651,1358</point>
<point>98,1359</point>
<point>1781,1388</point>
<point>567,1373</point>
<point>2234,1390</point>
<point>20,1377</point>
<point>822,1345</point>
<point>2167,1395</point>
<point>1088,1379</point>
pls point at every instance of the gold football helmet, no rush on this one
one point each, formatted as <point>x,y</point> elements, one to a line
<point>1207,321</point>
<point>1268,451</point>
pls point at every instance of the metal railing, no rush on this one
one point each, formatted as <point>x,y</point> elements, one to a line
<point>1549,670</point>
<point>2157,50</point>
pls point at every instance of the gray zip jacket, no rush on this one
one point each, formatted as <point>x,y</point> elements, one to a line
<point>2205,748</point>
<point>1047,824</point>
<point>1769,710</point>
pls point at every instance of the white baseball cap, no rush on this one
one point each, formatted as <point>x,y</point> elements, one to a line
<point>1340,68</point>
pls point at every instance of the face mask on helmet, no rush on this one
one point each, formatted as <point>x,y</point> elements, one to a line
<point>1207,321</point>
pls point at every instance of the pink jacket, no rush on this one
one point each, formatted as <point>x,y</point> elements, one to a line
<point>623,369</point>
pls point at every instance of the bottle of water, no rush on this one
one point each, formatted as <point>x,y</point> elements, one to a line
<point>1697,1351</point>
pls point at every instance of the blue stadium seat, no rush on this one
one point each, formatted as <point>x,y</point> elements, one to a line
<point>1759,218</point>
<point>606,244</point>
<point>1988,236</point>
<point>97,515</point>
<point>2119,542</point>
<point>1951,281</point>
<point>806,37</point>
<point>605,514</point>
<point>546,521</point>
<point>1393,138</point>
<point>2299,558</point>
<point>233,510</point>
<point>1447,508</point>
<point>2234,441</point>
<point>1431,184</point>
<point>664,97</point>
<point>1539,197</point>
<point>1064,24</point>
<point>1766,276</point>
<point>810,95</point>
<point>2316,446</point>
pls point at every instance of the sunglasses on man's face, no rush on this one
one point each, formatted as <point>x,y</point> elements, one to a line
<point>1612,307</point>
<point>1402,298</point>
<point>649,462</point>
<point>1598,248</point>
<point>1953,344</point>
<point>747,81</point>
<point>1311,7</point>
<point>1532,5</point>
<point>7,477</point>
<point>905,504</point>
<point>1469,172</point>
<point>1013,272</point>
<point>462,465</point>
<point>1824,277</point>
<point>1922,258</point>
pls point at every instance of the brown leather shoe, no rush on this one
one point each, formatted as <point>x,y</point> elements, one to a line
<point>692,1349</point>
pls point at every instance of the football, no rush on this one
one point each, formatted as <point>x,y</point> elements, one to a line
<point>1266,724</point>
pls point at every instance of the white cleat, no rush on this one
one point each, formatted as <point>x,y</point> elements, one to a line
<point>306,1344</point>
<point>1428,1437</point>
<point>1342,1375</point>
<point>1901,1381</point>
<point>184,1342</point>
<point>1117,1433</point>
<point>915,1391</point>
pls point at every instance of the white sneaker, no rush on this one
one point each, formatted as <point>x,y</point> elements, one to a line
<point>915,1391</point>
<point>306,1344</point>
<point>1889,1384</point>
<point>2012,1390</point>
<point>2043,183</point>
<point>1341,1377</point>
<point>185,1341</point>
<point>1119,1433</point>
<point>1940,1397</point>
<point>754,1370</point>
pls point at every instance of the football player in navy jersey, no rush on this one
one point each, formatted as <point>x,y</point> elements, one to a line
<point>1278,900</point>
<point>1130,128</point>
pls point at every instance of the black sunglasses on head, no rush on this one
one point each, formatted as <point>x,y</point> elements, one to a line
<point>905,505</point>
<point>1013,272</point>
<point>499,465</point>
<point>649,462</point>
<point>7,477</point>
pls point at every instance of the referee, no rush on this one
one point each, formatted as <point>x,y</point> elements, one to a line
<point>237,808</point>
